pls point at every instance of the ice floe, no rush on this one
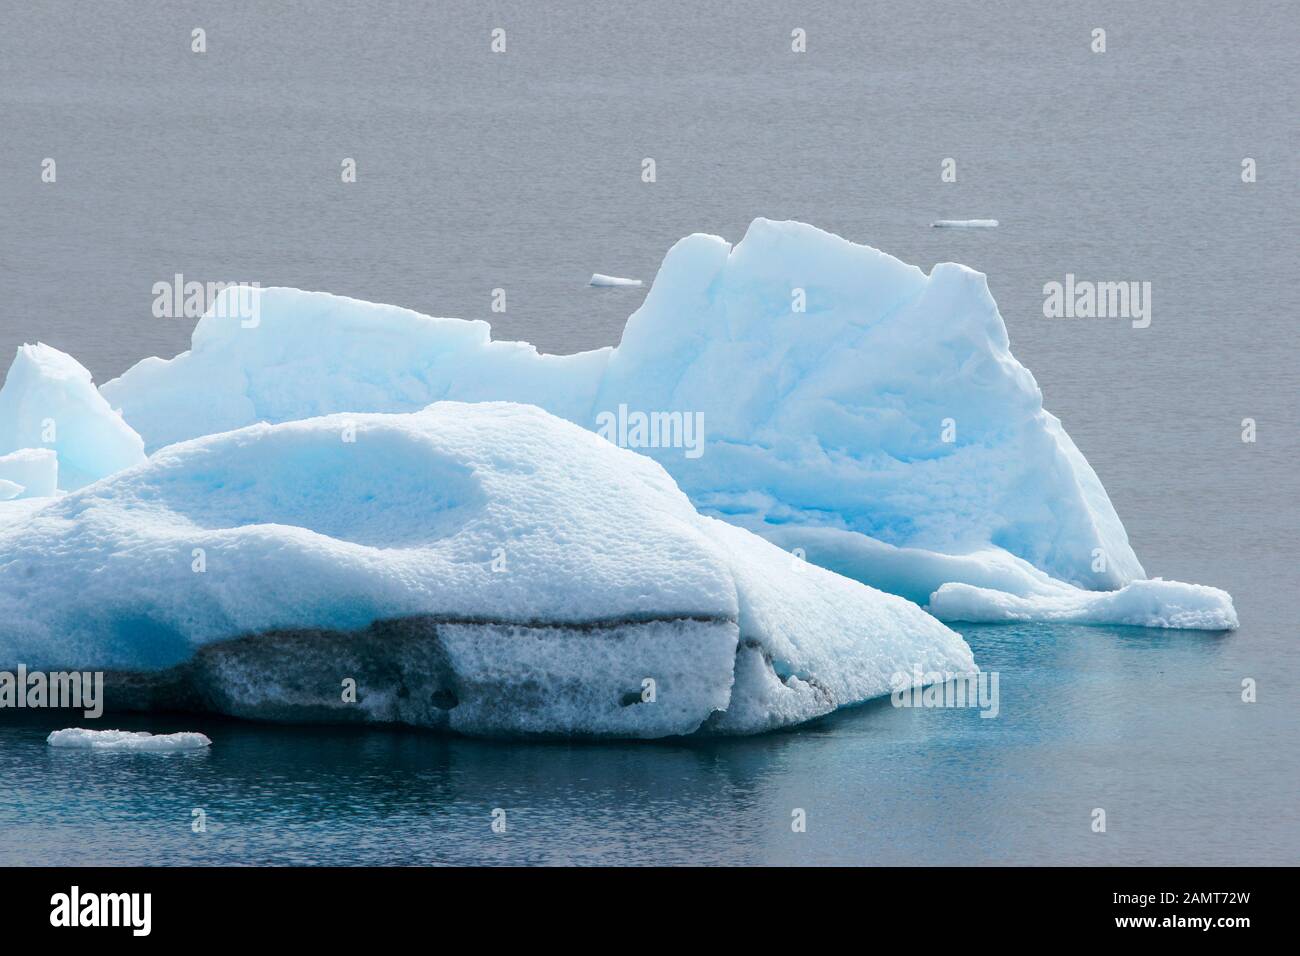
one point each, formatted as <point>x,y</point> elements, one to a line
<point>139,741</point>
<point>486,568</point>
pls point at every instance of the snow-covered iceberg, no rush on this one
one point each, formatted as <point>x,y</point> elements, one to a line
<point>851,407</point>
<point>487,568</point>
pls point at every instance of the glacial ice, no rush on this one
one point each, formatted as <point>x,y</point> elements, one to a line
<point>319,506</point>
<point>49,401</point>
<point>831,417</point>
<point>854,407</point>
<point>1153,603</point>
<point>138,741</point>
<point>487,568</point>
<point>34,470</point>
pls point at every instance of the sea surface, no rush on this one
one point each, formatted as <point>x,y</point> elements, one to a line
<point>522,171</point>
<point>1147,726</point>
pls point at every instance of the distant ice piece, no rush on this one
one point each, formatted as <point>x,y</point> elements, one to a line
<point>48,400</point>
<point>139,741</point>
<point>485,568</point>
<point>597,279</point>
<point>965,224</point>
<point>853,406</point>
<point>34,470</point>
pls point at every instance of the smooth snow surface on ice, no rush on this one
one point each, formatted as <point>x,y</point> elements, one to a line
<point>488,568</point>
<point>139,741</point>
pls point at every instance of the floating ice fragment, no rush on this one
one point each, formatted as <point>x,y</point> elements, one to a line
<point>78,737</point>
<point>964,224</point>
<point>598,279</point>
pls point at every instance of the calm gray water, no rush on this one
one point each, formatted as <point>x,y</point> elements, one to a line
<point>522,171</point>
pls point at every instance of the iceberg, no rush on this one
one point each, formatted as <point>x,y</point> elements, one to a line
<point>49,401</point>
<point>613,282</point>
<point>137,741</point>
<point>483,568</point>
<point>964,224</point>
<point>853,407</point>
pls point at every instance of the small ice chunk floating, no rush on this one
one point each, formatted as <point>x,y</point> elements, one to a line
<point>137,740</point>
<point>614,282</point>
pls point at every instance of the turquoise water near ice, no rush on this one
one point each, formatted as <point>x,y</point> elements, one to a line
<point>1148,725</point>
